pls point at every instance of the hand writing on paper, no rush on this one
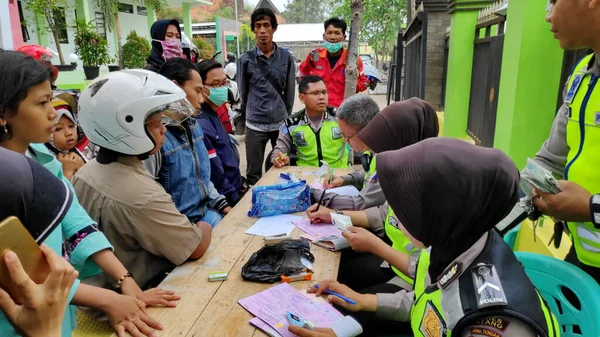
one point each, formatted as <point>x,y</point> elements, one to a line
<point>335,181</point>
<point>322,215</point>
<point>366,302</point>
<point>572,204</point>
<point>317,332</point>
<point>362,240</point>
<point>280,160</point>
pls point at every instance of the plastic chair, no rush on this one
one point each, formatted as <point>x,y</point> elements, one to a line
<point>572,295</point>
<point>511,237</point>
<point>88,327</point>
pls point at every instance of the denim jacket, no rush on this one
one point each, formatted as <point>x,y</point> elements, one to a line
<point>183,168</point>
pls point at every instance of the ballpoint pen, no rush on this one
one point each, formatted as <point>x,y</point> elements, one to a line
<point>330,292</point>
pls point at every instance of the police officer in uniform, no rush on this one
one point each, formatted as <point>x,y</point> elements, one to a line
<point>572,149</point>
<point>468,281</point>
<point>311,136</point>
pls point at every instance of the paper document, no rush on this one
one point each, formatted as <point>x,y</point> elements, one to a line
<point>319,230</point>
<point>332,243</point>
<point>274,225</point>
<point>271,305</point>
<point>264,327</point>
<point>350,191</point>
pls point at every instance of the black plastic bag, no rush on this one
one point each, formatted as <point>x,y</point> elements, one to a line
<point>270,262</point>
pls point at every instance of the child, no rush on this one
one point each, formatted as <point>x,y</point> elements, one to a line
<point>64,140</point>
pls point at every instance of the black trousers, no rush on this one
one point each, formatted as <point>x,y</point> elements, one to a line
<point>256,143</point>
<point>362,270</point>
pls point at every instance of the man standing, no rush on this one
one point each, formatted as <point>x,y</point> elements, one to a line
<point>312,135</point>
<point>267,87</point>
<point>572,149</point>
<point>329,63</point>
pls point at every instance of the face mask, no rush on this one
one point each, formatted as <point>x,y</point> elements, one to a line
<point>171,49</point>
<point>218,95</point>
<point>333,47</point>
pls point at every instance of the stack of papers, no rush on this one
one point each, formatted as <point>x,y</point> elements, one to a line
<point>319,230</point>
<point>536,176</point>
<point>278,225</point>
<point>270,307</point>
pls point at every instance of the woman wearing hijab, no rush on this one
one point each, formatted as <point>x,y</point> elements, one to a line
<point>166,43</point>
<point>448,195</point>
<point>395,127</point>
<point>398,125</point>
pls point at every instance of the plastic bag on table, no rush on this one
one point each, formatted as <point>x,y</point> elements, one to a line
<point>270,262</point>
<point>280,199</point>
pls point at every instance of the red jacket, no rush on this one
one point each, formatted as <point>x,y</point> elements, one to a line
<point>316,63</point>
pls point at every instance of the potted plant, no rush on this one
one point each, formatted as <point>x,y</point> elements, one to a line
<point>114,67</point>
<point>135,51</point>
<point>91,48</point>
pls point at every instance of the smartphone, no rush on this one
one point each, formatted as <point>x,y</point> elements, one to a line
<point>14,236</point>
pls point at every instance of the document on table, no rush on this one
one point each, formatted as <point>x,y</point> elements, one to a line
<point>319,230</point>
<point>271,305</point>
<point>264,327</point>
<point>274,225</point>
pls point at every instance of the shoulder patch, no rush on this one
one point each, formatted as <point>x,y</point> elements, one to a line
<point>574,88</point>
<point>487,286</point>
<point>450,274</point>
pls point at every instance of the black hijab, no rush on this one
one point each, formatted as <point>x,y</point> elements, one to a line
<point>400,124</point>
<point>448,193</point>
<point>31,193</point>
<point>158,32</point>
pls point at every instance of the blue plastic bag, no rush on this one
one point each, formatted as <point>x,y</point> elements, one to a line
<point>280,199</point>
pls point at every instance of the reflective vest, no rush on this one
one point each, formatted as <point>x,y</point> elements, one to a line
<point>326,144</point>
<point>372,168</point>
<point>583,138</point>
<point>498,286</point>
<point>399,241</point>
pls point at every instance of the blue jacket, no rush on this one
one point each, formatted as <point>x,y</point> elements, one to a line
<point>224,166</point>
<point>182,167</point>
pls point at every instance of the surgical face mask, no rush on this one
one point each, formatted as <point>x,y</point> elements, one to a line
<point>171,48</point>
<point>333,47</point>
<point>218,95</point>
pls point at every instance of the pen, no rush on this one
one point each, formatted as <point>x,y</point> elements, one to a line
<point>278,158</point>
<point>336,295</point>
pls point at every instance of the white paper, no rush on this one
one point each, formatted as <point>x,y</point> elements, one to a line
<point>274,225</point>
<point>345,190</point>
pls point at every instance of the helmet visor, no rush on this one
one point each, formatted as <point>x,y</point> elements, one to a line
<point>174,113</point>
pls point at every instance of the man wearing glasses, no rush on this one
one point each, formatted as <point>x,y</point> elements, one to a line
<point>224,163</point>
<point>313,134</point>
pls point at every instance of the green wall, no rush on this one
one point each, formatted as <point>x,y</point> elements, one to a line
<point>529,83</point>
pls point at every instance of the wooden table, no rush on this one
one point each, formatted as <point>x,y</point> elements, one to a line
<point>210,308</point>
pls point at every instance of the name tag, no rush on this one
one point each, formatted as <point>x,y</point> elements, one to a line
<point>597,117</point>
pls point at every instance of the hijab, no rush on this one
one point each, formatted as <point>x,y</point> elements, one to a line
<point>158,32</point>
<point>31,193</point>
<point>400,124</point>
<point>448,193</point>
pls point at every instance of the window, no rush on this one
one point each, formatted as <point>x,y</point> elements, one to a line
<point>100,26</point>
<point>141,10</point>
<point>24,29</point>
<point>61,25</point>
<point>125,8</point>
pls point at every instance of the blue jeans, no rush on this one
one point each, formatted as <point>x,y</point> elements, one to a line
<point>212,217</point>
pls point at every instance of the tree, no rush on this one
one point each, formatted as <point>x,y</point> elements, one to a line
<point>168,13</point>
<point>306,11</point>
<point>110,11</point>
<point>247,38</point>
<point>53,11</point>
<point>351,68</point>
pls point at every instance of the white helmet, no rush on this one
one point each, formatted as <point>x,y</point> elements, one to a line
<point>113,109</point>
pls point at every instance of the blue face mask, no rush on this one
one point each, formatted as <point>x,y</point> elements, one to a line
<point>333,47</point>
<point>218,95</point>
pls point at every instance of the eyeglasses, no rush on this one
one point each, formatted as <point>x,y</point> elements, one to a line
<point>316,93</point>
<point>218,85</point>
<point>347,139</point>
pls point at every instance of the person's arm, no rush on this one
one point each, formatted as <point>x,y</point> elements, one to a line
<point>554,151</point>
<point>323,215</point>
<point>305,68</point>
<point>217,172</point>
<point>361,81</point>
<point>371,195</point>
<point>284,143</point>
<point>356,179</point>
<point>162,230</point>
<point>242,82</point>
<point>376,218</point>
<point>216,200</point>
<point>290,87</point>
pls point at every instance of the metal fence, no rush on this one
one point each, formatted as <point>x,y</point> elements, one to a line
<point>415,45</point>
<point>485,81</point>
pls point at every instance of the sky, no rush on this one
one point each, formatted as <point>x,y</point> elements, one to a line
<point>280,4</point>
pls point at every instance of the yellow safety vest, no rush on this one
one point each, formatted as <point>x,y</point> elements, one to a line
<point>399,241</point>
<point>583,138</point>
<point>372,168</point>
